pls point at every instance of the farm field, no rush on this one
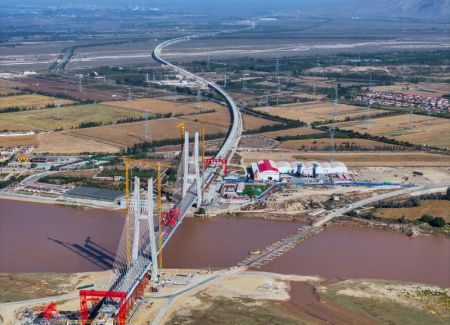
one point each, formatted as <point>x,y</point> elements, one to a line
<point>123,135</point>
<point>317,111</point>
<point>363,159</point>
<point>13,126</point>
<point>291,132</point>
<point>219,118</point>
<point>64,143</point>
<point>28,140</point>
<point>69,116</point>
<point>157,106</point>
<point>435,208</point>
<point>397,127</point>
<point>420,89</point>
<point>253,122</point>
<point>30,101</point>
<point>340,144</point>
<point>71,88</point>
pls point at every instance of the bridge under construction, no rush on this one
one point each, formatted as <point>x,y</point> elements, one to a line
<point>148,228</point>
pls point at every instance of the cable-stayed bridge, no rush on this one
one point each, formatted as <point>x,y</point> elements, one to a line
<point>147,229</point>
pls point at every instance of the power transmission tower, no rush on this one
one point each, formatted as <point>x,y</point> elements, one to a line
<point>332,128</point>
<point>368,121</point>
<point>130,94</point>
<point>411,119</point>
<point>277,68</point>
<point>429,116</point>
<point>244,85</point>
<point>147,80</point>
<point>225,80</point>
<point>80,83</point>
<point>147,135</point>
<point>208,64</point>
<point>266,98</point>
<point>199,99</point>
<point>279,84</point>
<point>57,106</point>
<point>174,93</point>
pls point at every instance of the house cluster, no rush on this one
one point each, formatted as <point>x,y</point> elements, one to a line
<point>400,100</point>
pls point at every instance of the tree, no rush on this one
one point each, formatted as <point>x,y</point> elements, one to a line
<point>426,218</point>
<point>437,222</point>
<point>448,193</point>
<point>402,220</point>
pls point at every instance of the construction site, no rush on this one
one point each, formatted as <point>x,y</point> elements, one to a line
<point>193,191</point>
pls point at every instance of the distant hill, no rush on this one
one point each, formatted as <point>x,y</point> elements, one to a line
<point>407,8</point>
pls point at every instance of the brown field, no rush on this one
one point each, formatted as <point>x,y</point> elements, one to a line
<point>420,89</point>
<point>364,159</point>
<point>157,106</point>
<point>435,208</point>
<point>30,101</point>
<point>252,122</point>
<point>71,88</point>
<point>13,126</point>
<point>69,116</point>
<point>291,132</point>
<point>317,111</point>
<point>64,143</point>
<point>341,144</point>
<point>114,137</point>
<point>28,140</point>
<point>8,92</point>
<point>436,134</point>
<point>219,118</point>
<point>306,95</point>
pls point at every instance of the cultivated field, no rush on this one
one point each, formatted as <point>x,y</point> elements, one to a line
<point>69,116</point>
<point>291,132</point>
<point>340,144</point>
<point>435,208</point>
<point>64,143</point>
<point>28,140</point>
<point>420,89</point>
<point>157,106</point>
<point>317,111</point>
<point>432,131</point>
<point>31,101</point>
<point>8,87</point>
<point>363,159</point>
<point>13,126</point>
<point>219,118</point>
<point>252,122</point>
<point>112,138</point>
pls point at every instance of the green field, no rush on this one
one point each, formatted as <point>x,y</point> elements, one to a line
<point>70,117</point>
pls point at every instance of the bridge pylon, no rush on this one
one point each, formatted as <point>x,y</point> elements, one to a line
<point>197,169</point>
<point>186,163</point>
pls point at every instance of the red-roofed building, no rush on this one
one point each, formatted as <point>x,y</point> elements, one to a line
<point>265,170</point>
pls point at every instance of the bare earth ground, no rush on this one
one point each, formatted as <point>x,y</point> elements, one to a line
<point>318,111</point>
<point>364,159</point>
<point>13,126</point>
<point>28,140</point>
<point>424,130</point>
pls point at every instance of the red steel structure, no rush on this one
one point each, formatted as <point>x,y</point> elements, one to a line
<point>95,295</point>
<point>50,312</point>
<point>171,217</point>
<point>223,163</point>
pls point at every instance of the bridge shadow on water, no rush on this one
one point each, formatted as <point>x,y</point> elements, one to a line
<point>90,251</point>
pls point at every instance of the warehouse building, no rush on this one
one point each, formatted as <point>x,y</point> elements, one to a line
<point>265,171</point>
<point>268,170</point>
<point>98,194</point>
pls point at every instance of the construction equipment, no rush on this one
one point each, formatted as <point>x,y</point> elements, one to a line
<point>95,295</point>
<point>50,312</point>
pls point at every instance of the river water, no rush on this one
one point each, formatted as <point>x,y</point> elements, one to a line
<point>45,238</point>
<point>48,238</point>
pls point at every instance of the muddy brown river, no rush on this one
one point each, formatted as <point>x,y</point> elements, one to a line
<point>45,238</point>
